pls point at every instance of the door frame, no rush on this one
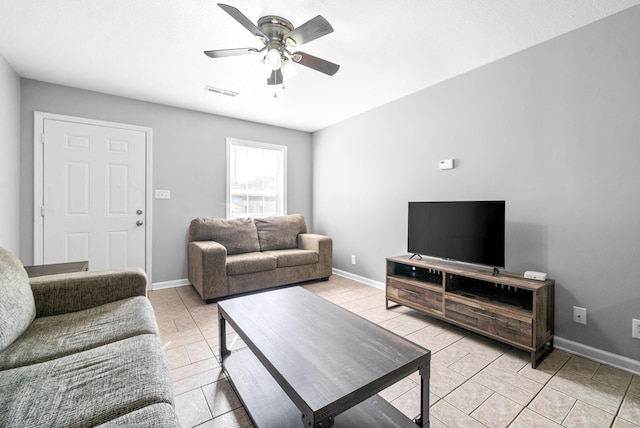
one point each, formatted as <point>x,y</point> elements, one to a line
<point>38,186</point>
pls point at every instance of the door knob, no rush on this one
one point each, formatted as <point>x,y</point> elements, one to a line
<point>139,223</point>
<point>139,212</point>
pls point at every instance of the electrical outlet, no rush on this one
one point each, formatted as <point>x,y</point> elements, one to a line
<point>579,315</point>
<point>353,260</point>
<point>636,328</point>
<point>162,194</point>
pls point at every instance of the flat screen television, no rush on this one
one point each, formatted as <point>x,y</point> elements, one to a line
<point>465,231</point>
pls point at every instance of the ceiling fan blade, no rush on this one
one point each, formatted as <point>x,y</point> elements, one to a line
<point>316,63</point>
<point>310,30</point>
<point>244,21</point>
<point>275,78</point>
<point>221,53</point>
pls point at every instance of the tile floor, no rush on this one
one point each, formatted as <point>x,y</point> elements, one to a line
<point>475,382</point>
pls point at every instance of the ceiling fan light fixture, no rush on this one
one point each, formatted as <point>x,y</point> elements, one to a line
<point>288,69</point>
<point>273,59</point>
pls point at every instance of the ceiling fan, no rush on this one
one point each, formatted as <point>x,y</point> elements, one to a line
<point>278,36</point>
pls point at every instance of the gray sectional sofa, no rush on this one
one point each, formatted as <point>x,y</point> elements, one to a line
<point>227,257</point>
<point>80,350</point>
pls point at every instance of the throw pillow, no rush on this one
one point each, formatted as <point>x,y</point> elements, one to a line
<point>17,307</point>
<point>237,235</point>
<point>280,233</point>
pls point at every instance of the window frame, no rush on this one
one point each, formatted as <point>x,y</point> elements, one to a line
<point>256,145</point>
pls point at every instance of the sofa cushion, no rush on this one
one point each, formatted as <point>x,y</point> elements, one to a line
<point>294,257</point>
<point>56,336</point>
<point>241,264</point>
<point>87,388</point>
<point>281,232</point>
<point>155,416</point>
<point>237,235</point>
<point>17,307</point>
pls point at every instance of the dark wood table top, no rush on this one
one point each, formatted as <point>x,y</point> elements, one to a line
<point>56,268</point>
<point>324,357</point>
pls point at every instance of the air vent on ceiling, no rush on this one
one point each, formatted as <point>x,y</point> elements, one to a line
<point>221,91</point>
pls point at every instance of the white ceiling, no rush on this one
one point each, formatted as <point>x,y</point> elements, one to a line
<point>152,49</point>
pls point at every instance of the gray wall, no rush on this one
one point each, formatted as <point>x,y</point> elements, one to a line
<point>9,158</point>
<point>189,159</point>
<point>553,130</point>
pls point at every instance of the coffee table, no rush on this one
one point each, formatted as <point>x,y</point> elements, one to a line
<point>310,363</point>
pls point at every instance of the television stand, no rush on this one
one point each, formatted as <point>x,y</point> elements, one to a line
<point>416,255</point>
<point>506,307</point>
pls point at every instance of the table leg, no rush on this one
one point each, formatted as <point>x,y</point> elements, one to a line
<point>222,331</point>
<point>425,373</point>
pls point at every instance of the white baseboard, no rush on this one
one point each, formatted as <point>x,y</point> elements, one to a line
<point>358,278</point>
<point>595,354</point>
<point>170,284</point>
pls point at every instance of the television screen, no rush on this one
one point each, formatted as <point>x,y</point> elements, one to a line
<point>465,231</point>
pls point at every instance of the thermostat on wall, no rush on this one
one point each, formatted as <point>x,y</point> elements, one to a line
<point>446,164</point>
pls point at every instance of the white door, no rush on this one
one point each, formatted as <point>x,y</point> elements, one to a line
<point>94,184</point>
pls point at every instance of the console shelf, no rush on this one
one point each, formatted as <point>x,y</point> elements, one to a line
<point>506,307</point>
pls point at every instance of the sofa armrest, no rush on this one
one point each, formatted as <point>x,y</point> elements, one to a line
<point>71,292</point>
<point>323,245</point>
<point>207,268</point>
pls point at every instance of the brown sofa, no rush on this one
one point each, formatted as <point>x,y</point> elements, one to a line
<point>80,350</point>
<point>229,257</point>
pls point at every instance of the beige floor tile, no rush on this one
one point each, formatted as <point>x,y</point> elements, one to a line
<point>536,375</point>
<point>469,396</point>
<point>436,423</point>
<point>199,380</point>
<point>435,337</point>
<point>552,404</point>
<point>504,388</point>
<point>515,379</point>
<point>530,419</point>
<point>630,410</point>
<point>613,377</point>
<point>583,416</point>
<point>453,417</point>
<point>448,355</point>
<point>221,397</point>
<point>403,324</point>
<point>237,418</point>
<point>621,423</point>
<point>409,402</point>
<point>513,360</point>
<point>634,388</point>
<point>185,323</point>
<point>194,369</point>
<point>397,389</point>
<point>587,390</point>
<point>191,408</point>
<point>487,348</point>
<point>581,366</point>
<point>469,365</point>
<point>177,357</point>
<point>497,412</point>
<point>444,380</point>
<point>378,314</point>
<point>199,351</point>
<point>181,338</point>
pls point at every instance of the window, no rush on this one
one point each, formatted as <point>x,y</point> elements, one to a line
<point>256,177</point>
